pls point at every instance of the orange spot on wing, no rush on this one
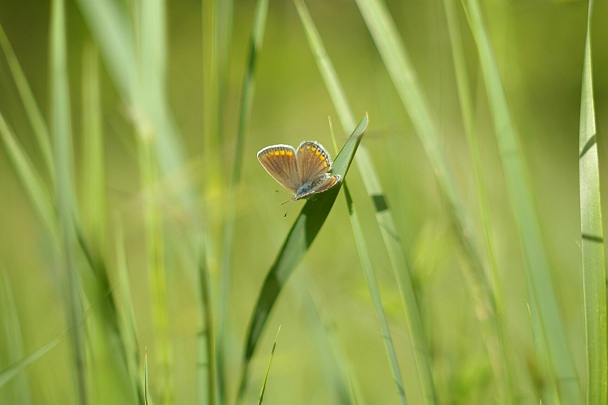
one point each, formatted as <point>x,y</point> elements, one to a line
<point>282,152</point>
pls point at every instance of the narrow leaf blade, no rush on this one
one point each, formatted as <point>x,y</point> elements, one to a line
<point>300,237</point>
<point>594,271</point>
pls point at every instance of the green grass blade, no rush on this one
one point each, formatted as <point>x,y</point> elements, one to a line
<point>110,28</point>
<point>153,133</point>
<point>94,181</point>
<point>300,237</point>
<point>160,155</point>
<point>12,338</point>
<point>146,377</point>
<point>330,77</point>
<point>274,346</point>
<point>211,90</point>
<point>521,200</point>
<point>498,357</point>
<point>156,264</point>
<point>11,371</point>
<point>151,94</point>
<point>66,200</point>
<point>208,364</point>
<point>127,320</point>
<point>248,89</point>
<point>32,109</point>
<point>594,271</point>
<point>31,180</point>
<point>383,212</point>
<point>374,292</point>
<point>216,18</point>
<point>225,15</point>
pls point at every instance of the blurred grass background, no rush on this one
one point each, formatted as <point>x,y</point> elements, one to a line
<point>166,217</point>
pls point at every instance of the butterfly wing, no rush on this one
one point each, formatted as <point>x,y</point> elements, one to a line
<point>313,161</point>
<point>281,163</point>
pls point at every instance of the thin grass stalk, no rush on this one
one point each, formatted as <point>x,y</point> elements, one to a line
<point>224,49</point>
<point>499,356</point>
<point>146,376</point>
<point>518,188</point>
<point>160,155</point>
<point>155,252</point>
<point>592,237</point>
<point>383,212</point>
<point>246,103</point>
<point>32,109</point>
<point>66,200</point>
<point>374,292</point>
<point>211,93</point>
<point>152,97</point>
<point>263,389</point>
<point>127,320</point>
<point>212,70</point>
<point>94,180</point>
<point>207,343</point>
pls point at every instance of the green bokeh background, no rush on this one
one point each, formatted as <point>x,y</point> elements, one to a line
<point>539,46</point>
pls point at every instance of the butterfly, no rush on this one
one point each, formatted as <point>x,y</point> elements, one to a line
<point>303,171</point>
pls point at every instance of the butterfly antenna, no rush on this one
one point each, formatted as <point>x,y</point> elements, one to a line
<point>291,200</point>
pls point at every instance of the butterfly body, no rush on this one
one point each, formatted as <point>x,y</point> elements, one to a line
<point>303,171</point>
